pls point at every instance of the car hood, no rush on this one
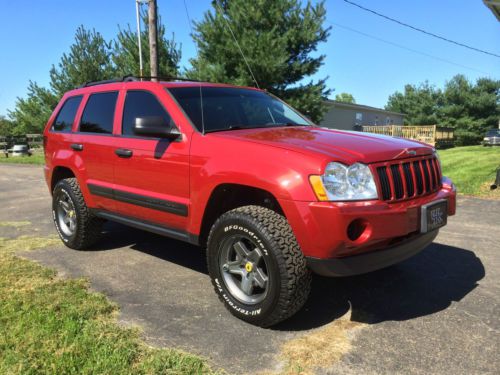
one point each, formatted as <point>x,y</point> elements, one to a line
<point>337,145</point>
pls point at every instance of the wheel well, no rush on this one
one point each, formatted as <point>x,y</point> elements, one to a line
<point>60,173</point>
<point>226,197</point>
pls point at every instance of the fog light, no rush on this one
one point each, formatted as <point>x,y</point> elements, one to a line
<point>359,230</point>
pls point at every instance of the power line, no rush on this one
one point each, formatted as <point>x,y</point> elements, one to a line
<point>421,30</point>
<point>406,48</point>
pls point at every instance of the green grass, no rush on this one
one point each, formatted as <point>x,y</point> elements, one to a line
<point>37,159</point>
<point>472,169</point>
<point>50,325</point>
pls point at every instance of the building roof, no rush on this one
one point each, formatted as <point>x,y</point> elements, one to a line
<point>494,6</point>
<point>335,103</point>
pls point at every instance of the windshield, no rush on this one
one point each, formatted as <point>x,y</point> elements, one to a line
<point>493,133</point>
<point>227,108</point>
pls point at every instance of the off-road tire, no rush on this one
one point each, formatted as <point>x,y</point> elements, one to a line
<point>290,279</point>
<point>88,226</point>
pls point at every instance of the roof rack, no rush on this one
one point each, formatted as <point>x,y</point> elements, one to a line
<point>131,78</point>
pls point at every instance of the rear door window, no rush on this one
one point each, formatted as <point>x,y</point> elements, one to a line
<point>99,113</point>
<point>66,116</point>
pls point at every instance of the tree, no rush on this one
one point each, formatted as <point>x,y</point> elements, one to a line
<point>277,38</point>
<point>32,113</point>
<point>89,59</point>
<point>344,97</point>
<point>420,104</point>
<point>6,126</point>
<point>470,108</point>
<point>126,52</point>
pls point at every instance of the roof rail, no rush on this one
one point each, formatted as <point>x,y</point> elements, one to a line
<point>131,78</point>
<point>168,78</point>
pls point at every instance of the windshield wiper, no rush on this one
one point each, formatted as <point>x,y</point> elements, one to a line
<point>285,124</point>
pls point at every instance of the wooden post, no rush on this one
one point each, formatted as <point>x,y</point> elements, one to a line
<point>153,39</point>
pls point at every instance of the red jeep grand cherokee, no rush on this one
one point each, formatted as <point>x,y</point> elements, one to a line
<point>271,195</point>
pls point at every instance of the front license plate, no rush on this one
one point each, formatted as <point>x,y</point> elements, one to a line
<point>434,215</point>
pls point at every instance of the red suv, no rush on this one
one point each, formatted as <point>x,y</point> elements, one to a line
<point>271,195</point>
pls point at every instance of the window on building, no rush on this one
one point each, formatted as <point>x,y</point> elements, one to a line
<point>359,118</point>
<point>99,113</point>
<point>66,116</point>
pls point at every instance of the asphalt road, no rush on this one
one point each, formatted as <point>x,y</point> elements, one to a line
<point>438,312</point>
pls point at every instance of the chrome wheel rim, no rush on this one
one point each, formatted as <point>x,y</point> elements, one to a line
<point>244,270</point>
<point>66,214</point>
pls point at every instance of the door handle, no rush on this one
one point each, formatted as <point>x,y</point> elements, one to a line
<point>77,146</point>
<point>123,152</point>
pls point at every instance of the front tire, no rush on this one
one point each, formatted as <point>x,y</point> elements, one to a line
<point>77,227</point>
<point>256,265</point>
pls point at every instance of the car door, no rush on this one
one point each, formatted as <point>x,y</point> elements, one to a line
<point>95,144</point>
<point>151,174</point>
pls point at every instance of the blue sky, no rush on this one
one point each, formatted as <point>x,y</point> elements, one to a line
<point>34,34</point>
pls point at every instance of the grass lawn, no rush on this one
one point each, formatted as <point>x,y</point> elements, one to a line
<point>472,169</point>
<point>37,159</point>
<point>57,326</point>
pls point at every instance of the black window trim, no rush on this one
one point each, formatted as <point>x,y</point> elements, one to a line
<point>51,128</point>
<point>140,136</point>
<point>188,119</point>
<point>114,114</point>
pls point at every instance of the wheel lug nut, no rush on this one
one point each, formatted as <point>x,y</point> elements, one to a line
<point>225,267</point>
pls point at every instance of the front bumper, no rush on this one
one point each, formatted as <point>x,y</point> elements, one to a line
<point>322,229</point>
<point>375,260</point>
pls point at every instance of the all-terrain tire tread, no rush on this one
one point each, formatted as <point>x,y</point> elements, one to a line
<point>291,261</point>
<point>89,227</point>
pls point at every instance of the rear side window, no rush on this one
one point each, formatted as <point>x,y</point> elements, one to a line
<point>99,113</point>
<point>66,116</point>
<point>141,104</point>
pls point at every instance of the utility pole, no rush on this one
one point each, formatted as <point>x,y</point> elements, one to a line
<point>153,39</point>
<point>138,19</point>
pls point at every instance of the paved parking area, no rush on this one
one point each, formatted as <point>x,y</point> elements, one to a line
<point>438,312</point>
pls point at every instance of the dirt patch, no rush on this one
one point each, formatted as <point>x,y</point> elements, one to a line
<point>27,243</point>
<point>14,224</point>
<point>486,192</point>
<point>319,348</point>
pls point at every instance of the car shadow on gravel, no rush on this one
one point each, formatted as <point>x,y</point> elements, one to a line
<point>424,284</point>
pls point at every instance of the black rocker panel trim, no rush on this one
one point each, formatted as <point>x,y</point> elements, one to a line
<point>148,226</point>
<point>140,200</point>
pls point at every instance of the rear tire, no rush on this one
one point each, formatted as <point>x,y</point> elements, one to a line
<point>77,227</point>
<point>256,265</point>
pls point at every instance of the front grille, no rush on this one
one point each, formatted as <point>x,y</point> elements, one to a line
<point>407,179</point>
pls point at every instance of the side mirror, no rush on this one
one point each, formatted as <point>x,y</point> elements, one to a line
<point>155,126</point>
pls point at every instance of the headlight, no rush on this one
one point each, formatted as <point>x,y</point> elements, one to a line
<point>486,139</point>
<point>342,183</point>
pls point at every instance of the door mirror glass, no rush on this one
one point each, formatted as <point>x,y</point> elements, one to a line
<point>155,126</point>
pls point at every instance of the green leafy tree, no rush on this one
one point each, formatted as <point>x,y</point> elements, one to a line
<point>126,51</point>
<point>89,59</point>
<point>277,38</point>
<point>420,104</point>
<point>345,97</point>
<point>32,113</point>
<point>6,126</point>
<point>470,108</point>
